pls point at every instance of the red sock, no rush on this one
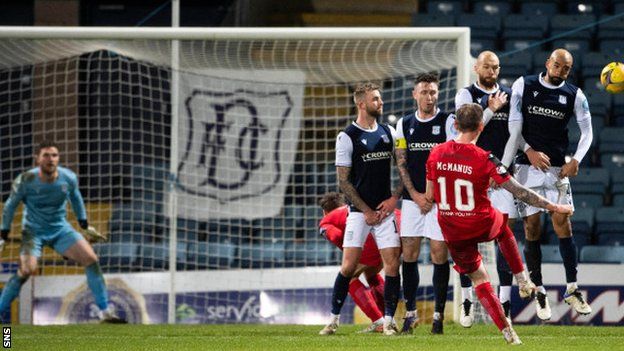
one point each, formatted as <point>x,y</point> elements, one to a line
<point>509,249</point>
<point>492,305</point>
<point>364,300</point>
<point>377,285</point>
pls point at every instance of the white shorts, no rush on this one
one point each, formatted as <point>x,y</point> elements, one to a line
<point>415,224</point>
<point>503,201</point>
<point>356,231</point>
<point>545,183</point>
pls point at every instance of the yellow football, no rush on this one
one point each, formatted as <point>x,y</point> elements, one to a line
<point>612,77</point>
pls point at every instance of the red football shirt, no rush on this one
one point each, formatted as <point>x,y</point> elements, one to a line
<point>461,175</point>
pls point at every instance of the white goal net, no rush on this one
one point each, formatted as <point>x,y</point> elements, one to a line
<point>202,154</point>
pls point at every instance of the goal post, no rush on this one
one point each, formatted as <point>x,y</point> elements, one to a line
<point>206,164</point>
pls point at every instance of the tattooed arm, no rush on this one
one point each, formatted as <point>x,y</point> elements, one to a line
<point>418,198</point>
<point>352,195</point>
<point>532,198</point>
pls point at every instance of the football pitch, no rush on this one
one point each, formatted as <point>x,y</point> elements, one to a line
<point>295,337</point>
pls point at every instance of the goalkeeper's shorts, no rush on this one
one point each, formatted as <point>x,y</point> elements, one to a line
<point>60,239</point>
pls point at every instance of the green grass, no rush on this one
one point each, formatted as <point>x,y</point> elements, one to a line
<point>293,337</point>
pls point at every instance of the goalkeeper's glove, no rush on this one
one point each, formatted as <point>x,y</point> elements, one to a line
<point>90,232</point>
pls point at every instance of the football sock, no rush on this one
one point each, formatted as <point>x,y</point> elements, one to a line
<point>466,287</point>
<point>411,279</point>
<point>341,289</point>
<point>441,274</point>
<point>377,286</point>
<point>10,291</point>
<point>488,300</point>
<point>567,248</point>
<point>504,293</point>
<point>505,277</point>
<point>391,294</point>
<point>533,256</point>
<point>509,250</point>
<point>95,280</point>
<point>363,298</point>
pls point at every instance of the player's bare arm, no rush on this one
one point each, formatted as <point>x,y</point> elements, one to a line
<point>418,198</point>
<point>349,191</point>
<point>429,191</point>
<point>532,198</point>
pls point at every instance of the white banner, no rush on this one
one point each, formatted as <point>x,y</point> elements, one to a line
<point>237,139</point>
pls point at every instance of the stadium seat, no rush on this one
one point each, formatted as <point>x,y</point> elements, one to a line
<point>545,9</point>
<point>492,8</point>
<point>524,45</point>
<point>618,6</point>
<point>591,181</point>
<point>524,27</point>
<point>611,29</point>
<point>539,61</point>
<point>478,45</point>
<point>432,20</point>
<point>516,64</point>
<point>598,100</point>
<point>610,220</point>
<point>611,148</point>
<point>593,62</point>
<point>263,254</point>
<point>551,254</point>
<point>311,253</point>
<point>587,200</point>
<point>445,7</point>
<point>156,256</point>
<point>616,239</point>
<point>481,26</point>
<point>617,186</point>
<point>214,255</point>
<point>567,24</point>
<point>117,257</point>
<point>613,46</point>
<point>618,105</point>
<point>576,47</point>
<point>602,254</point>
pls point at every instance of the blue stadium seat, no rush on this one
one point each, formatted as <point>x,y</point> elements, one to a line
<point>598,99</point>
<point>116,257</point>
<point>612,148</point>
<point>602,254</point>
<point>591,181</point>
<point>311,253</point>
<point>587,200</point>
<point>576,47</point>
<point>150,177</point>
<point>616,239</point>
<point>432,20</point>
<point>156,256</point>
<point>524,45</point>
<point>618,6</point>
<point>551,254</point>
<point>213,255</point>
<point>539,61</point>
<point>611,29</point>
<point>610,220</point>
<point>618,105</point>
<point>524,27</point>
<point>445,7</point>
<point>612,46</point>
<point>492,8</point>
<point>560,24</point>
<point>517,64</point>
<point>593,62</point>
<point>481,26</point>
<point>546,9</point>
<point>478,45</point>
<point>617,186</point>
<point>263,254</point>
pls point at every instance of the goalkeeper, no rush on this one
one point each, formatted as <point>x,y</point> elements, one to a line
<point>44,191</point>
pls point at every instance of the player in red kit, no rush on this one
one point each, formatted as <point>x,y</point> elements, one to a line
<point>332,227</point>
<point>458,176</point>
